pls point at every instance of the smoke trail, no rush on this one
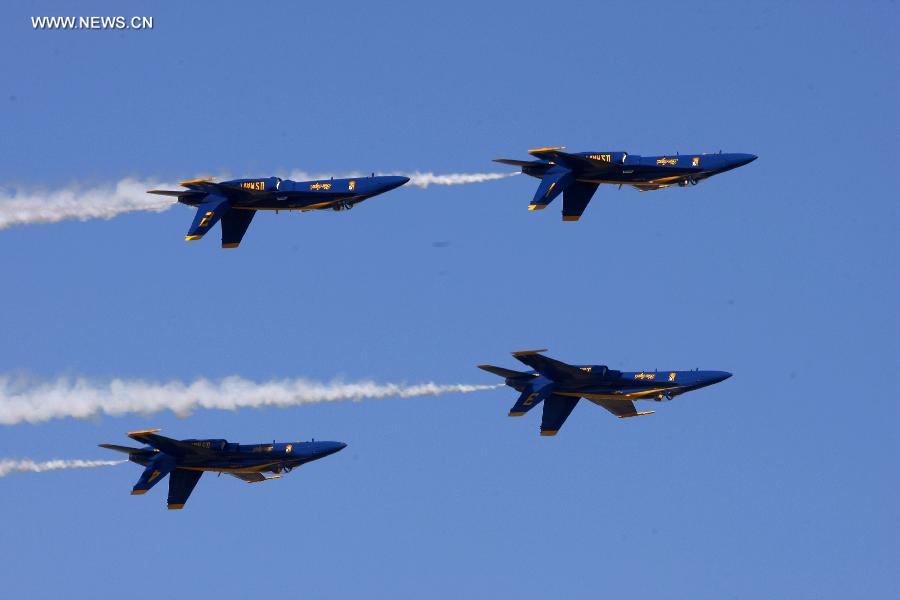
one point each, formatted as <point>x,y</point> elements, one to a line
<point>26,207</point>
<point>29,207</point>
<point>8,466</point>
<point>416,178</point>
<point>81,398</point>
<point>423,180</point>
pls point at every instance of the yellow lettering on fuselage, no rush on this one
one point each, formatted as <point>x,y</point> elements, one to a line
<point>320,186</point>
<point>666,161</point>
<point>603,157</point>
<point>645,375</point>
<point>254,185</point>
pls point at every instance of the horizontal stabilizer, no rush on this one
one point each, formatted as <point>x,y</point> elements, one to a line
<point>169,192</point>
<point>124,449</point>
<point>514,162</point>
<point>508,373</point>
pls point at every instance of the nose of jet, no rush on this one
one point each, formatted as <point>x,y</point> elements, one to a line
<point>743,159</point>
<point>394,182</point>
<point>717,376</point>
<point>332,447</point>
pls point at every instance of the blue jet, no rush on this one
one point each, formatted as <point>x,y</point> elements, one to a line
<point>577,175</point>
<point>560,386</point>
<point>184,461</point>
<point>235,202</point>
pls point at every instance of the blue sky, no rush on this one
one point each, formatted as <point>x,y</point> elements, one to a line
<point>780,482</point>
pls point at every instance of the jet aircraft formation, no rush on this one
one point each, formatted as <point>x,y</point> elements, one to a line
<point>558,385</point>
<point>574,175</point>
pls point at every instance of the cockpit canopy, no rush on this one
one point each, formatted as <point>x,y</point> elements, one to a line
<point>605,372</point>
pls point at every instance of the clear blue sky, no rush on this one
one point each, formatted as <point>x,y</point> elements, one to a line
<point>780,482</point>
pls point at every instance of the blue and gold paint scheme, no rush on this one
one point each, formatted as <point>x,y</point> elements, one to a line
<point>560,386</point>
<point>235,202</point>
<point>577,175</point>
<point>184,461</point>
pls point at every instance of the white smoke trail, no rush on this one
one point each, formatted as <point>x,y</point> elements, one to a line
<point>416,178</point>
<point>81,398</point>
<point>423,180</point>
<point>8,466</point>
<point>28,207</point>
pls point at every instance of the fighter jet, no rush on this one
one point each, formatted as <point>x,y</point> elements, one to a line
<point>560,386</point>
<point>577,175</point>
<point>235,202</point>
<point>184,461</point>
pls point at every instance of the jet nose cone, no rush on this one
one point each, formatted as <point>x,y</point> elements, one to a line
<point>718,376</point>
<point>332,447</point>
<point>744,159</point>
<point>395,181</point>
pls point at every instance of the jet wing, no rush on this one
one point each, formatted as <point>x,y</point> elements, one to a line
<point>621,408</point>
<point>253,477</point>
<point>164,444</point>
<point>577,162</point>
<point>556,410</point>
<point>549,367</point>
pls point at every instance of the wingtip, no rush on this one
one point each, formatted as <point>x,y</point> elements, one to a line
<point>142,431</point>
<point>193,181</point>
<point>527,352</point>
<point>547,149</point>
